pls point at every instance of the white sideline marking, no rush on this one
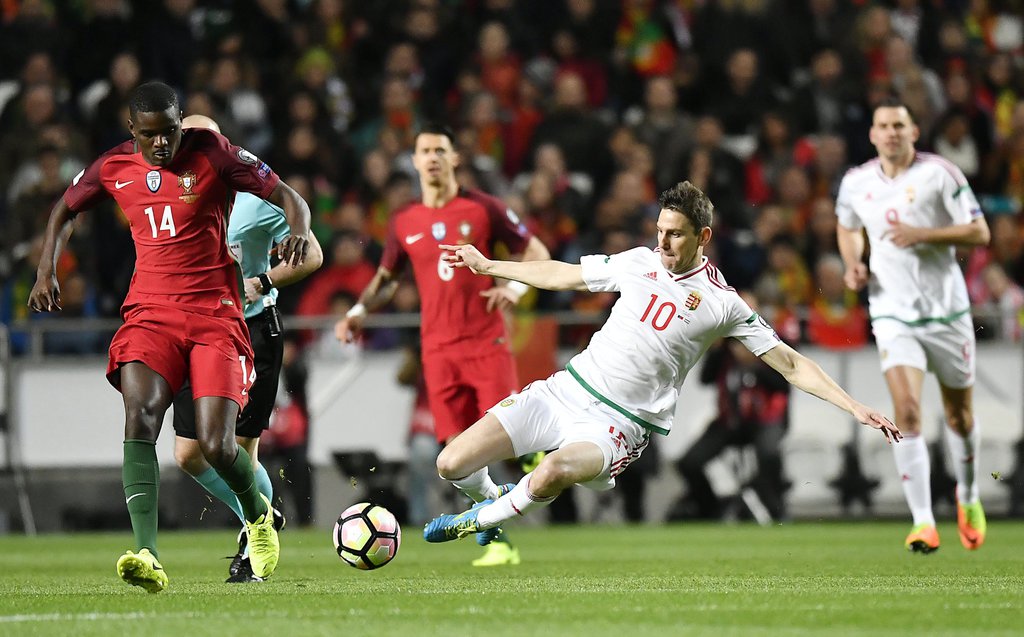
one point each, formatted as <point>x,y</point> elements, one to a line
<point>57,617</point>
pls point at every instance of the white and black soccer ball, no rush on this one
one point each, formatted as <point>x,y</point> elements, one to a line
<point>367,536</point>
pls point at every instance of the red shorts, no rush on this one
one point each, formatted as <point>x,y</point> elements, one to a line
<point>212,352</point>
<point>460,389</point>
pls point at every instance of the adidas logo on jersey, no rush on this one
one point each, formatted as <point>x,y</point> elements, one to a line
<point>652,275</point>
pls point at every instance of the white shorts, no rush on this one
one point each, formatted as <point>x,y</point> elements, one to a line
<point>552,413</point>
<point>947,350</point>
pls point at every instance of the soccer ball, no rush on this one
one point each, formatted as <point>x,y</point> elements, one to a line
<point>367,536</point>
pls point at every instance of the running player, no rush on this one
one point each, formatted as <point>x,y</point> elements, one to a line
<point>915,208</point>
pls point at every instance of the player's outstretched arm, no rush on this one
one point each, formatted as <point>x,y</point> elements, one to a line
<point>45,294</point>
<point>507,296</point>
<point>377,292</point>
<point>549,275</point>
<point>807,375</point>
<point>295,247</point>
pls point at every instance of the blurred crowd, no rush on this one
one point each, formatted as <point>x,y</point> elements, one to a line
<point>576,112</point>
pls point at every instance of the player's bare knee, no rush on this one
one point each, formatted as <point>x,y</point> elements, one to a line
<point>908,416</point>
<point>960,420</point>
<point>551,477</point>
<point>216,452</point>
<point>143,419</point>
<point>448,465</point>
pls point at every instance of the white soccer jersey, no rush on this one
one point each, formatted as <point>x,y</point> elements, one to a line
<point>658,329</point>
<point>922,283</point>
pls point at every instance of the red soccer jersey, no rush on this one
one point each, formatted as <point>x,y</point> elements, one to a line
<point>453,312</point>
<point>178,216</point>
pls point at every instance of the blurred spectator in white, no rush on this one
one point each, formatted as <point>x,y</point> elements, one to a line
<point>109,114</point>
<point>316,72</point>
<point>953,141</point>
<point>241,110</point>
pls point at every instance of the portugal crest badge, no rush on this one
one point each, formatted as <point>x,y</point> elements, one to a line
<point>187,181</point>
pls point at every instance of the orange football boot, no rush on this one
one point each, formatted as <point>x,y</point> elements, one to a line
<point>923,538</point>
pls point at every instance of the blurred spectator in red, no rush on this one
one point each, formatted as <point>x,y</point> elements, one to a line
<point>820,233</point>
<point>836,320</point>
<point>794,198</point>
<point>522,119</point>
<point>348,271</point>
<point>545,217</point>
<point>570,59</point>
<point>1005,303</point>
<point>829,165</point>
<point>500,67</point>
<point>572,190</point>
<point>487,152</point>
<point>866,57</point>
<point>789,272</point>
<point>777,149</point>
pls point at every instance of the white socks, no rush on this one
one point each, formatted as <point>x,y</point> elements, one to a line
<point>915,473</point>
<point>478,486</point>
<point>963,452</point>
<point>516,503</point>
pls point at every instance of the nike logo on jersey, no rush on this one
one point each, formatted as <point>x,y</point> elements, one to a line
<point>132,497</point>
<point>118,185</point>
<point>413,238</point>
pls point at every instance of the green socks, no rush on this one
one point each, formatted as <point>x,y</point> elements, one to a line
<point>215,485</point>
<point>240,479</point>
<point>140,475</point>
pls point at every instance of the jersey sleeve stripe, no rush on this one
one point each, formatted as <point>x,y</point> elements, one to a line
<point>954,172</point>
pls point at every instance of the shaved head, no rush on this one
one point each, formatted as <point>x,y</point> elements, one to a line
<point>199,121</point>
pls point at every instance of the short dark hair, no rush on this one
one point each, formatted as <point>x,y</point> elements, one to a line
<point>152,97</point>
<point>894,101</point>
<point>437,128</point>
<point>689,200</point>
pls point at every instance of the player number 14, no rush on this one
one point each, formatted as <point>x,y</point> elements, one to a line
<point>166,221</point>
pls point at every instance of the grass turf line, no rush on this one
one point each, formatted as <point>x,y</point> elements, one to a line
<point>694,579</point>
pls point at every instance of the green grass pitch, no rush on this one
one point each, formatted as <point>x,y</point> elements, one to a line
<point>798,579</point>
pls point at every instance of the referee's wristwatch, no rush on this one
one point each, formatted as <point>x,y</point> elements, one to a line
<point>266,285</point>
